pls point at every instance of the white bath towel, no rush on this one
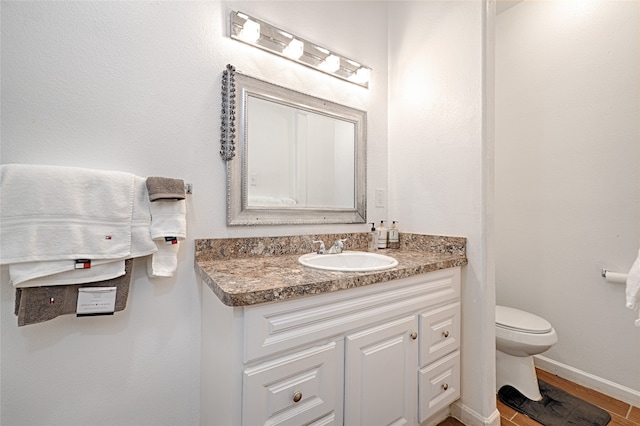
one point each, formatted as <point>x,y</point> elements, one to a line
<point>632,290</point>
<point>164,262</point>
<point>141,241</point>
<point>168,228</point>
<point>100,270</point>
<point>168,219</point>
<point>633,283</point>
<point>54,213</point>
<point>63,270</point>
<point>27,272</point>
<point>141,245</point>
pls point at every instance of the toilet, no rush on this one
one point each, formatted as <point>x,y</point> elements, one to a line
<point>519,336</point>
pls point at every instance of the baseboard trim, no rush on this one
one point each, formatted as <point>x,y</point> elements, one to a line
<point>607,387</point>
<point>471,417</point>
<point>437,418</point>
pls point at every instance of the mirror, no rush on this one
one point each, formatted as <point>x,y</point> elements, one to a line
<point>301,158</point>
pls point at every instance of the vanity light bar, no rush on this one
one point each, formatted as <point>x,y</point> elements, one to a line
<point>265,36</point>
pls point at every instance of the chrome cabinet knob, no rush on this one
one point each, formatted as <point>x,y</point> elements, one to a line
<point>446,333</point>
<point>297,396</point>
<point>445,387</point>
<point>414,335</point>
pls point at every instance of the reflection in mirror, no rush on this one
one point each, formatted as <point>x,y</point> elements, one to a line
<point>302,159</point>
<point>298,158</point>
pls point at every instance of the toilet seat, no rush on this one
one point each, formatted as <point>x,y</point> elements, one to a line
<point>521,321</point>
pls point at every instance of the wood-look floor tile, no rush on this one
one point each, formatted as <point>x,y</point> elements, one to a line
<point>505,410</point>
<point>616,420</point>
<point>450,421</point>
<point>522,420</point>
<point>506,422</point>
<point>596,398</point>
<point>635,414</point>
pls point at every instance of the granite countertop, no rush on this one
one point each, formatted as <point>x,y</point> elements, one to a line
<point>248,271</point>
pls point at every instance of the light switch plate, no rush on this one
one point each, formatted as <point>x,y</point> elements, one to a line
<point>379,197</point>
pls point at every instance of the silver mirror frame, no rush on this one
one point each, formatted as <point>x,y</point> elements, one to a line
<point>235,89</point>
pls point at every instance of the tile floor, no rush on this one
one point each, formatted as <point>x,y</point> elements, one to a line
<point>622,414</point>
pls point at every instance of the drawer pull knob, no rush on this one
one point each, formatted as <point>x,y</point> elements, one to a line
<point>414,335</point>
<point>445,386</point>
<point>446,334</point>
<point>297,396</point>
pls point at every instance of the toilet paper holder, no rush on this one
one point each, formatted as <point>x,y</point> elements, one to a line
<point>614,277</point>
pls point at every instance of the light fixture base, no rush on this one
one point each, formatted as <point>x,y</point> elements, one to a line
<point>265,36</point>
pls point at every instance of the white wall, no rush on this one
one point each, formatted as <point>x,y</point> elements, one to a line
<point>440,163</point>
<point>135,86</point>
<point>568,175</point>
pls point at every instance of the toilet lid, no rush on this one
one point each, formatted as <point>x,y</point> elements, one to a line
<point>517,320</point>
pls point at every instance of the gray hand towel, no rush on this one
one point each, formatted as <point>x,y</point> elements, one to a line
<point>39,304</point>
<point>161,188</point>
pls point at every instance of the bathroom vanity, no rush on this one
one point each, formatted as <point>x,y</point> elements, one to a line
<point>284,344</point>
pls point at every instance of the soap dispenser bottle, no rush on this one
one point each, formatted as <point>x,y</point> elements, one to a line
<point>382,236</point>
<point>394,236</point>
<point>373,238</point>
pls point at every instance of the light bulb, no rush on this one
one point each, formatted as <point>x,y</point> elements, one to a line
<point>361,75</point>
<point>331,63</point>
<point>294,49</point>
<point>250,31</point>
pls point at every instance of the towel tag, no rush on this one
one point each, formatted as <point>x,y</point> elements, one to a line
<point>83,264</point>
<point>170,240</point>
<point>96,301</point>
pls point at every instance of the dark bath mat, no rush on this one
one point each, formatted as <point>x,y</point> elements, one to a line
<point>557,407</point>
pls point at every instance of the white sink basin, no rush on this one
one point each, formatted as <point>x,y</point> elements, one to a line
<point>348,261</point>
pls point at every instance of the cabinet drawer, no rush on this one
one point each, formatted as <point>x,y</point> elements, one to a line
<point>294,389</point>
<point>439,385</point>
<point>328,420</point>
<point>439,332</point>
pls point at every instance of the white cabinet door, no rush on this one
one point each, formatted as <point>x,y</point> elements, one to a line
<point>380,374</point>
<point>297,389</point>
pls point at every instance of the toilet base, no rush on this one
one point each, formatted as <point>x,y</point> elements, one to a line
<point>519,372</point>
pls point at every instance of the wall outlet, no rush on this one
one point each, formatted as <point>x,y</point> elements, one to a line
<point>379,197</point>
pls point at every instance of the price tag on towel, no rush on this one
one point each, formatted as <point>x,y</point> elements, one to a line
<point>96,301</point>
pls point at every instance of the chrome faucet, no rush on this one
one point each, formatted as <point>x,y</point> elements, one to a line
<point>321,249</point>
<point>337,247</point>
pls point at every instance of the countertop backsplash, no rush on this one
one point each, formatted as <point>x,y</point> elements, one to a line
<point>238,248</point>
